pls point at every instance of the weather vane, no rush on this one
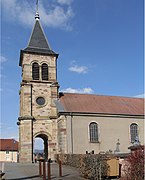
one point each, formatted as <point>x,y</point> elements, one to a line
<point>36,5</point>
<point>37,13</point>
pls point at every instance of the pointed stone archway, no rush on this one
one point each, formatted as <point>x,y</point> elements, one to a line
<point>45,137</point>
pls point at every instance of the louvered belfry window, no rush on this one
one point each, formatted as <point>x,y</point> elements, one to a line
<point>35,71</point>
<point>134,132</point>
<point>44,71</point>
<point>93,128</point>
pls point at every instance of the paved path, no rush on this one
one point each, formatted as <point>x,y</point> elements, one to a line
<point>19,171</point>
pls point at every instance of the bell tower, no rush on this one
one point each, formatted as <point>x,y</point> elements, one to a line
<point>38,91</point>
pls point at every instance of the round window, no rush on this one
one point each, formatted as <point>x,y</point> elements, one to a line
<point>40,101</point>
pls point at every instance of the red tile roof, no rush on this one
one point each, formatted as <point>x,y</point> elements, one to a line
<point>91,103</point>
<point>8,144</point>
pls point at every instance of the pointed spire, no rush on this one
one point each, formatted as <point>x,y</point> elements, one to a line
<point>38,43</point>
<point>38,38</point>
<point>37,12</point>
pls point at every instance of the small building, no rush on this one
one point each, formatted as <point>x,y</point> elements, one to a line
<point>8,150</point>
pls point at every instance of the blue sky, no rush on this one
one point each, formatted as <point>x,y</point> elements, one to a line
<point>100,46</point>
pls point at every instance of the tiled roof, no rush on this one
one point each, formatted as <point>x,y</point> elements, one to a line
<point>8,144</point>
<point>86,103</point>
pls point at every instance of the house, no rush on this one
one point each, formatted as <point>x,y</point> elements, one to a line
<point>8,150</point>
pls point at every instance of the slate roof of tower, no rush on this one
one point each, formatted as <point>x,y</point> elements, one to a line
<point>38,43</point>
<point>8,144</point>
<point>91,103</point>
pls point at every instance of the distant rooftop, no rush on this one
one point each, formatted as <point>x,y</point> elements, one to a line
<point>8,144</point>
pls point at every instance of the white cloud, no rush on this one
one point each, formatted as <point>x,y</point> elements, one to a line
<point>140,96</point>
<point>67,2</point>
<point>55,16</point>
<point>15,10</point>
<point>79,69</point>
<point>58,17</point>
<point>81,91</point>
<point>2,59</point>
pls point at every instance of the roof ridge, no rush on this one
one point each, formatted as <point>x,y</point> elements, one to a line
<point>103,95</point>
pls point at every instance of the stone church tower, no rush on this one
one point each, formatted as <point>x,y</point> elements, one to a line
<point>38,90</point>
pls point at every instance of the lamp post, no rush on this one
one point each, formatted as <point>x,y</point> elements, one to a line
<point>13,142</point>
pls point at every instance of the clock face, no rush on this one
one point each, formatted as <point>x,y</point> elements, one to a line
<point>40,101</point>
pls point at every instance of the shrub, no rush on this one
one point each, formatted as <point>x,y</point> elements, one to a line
<point>134,165</point>
<point>94,167</point>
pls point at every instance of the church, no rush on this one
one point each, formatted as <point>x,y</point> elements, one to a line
<point>69,123</point>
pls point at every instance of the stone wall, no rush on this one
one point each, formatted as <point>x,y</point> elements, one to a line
<point>62,138</point>
<point>36,120</point>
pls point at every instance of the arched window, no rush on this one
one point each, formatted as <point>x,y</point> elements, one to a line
<point>44,71</point>
<point>35,71</point>
<point>93,128</point>
<point>134,132</point>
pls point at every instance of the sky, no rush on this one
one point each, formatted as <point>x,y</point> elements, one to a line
<point>100,46</point>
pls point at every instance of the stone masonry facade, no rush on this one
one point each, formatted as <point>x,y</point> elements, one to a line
<point>37,120</point>
<point>62,135</point>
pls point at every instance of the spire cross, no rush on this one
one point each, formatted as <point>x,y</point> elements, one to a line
<point>37,13</point>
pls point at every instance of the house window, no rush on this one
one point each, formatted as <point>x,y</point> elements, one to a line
<point>134,132</point>
<point>93,128</point>
<point>35,71</point>
<point>7,152</point>
<point>7,158</point>
<point>44,71</point>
